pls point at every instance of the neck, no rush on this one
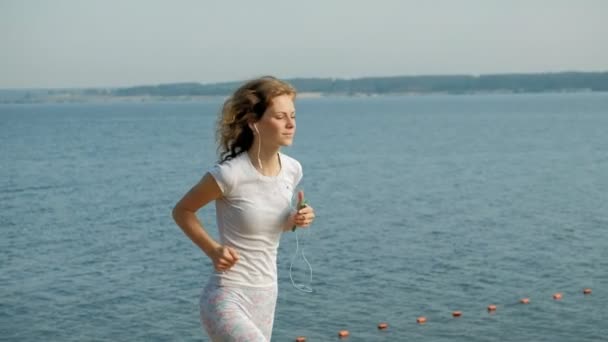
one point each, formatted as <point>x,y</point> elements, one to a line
<point>266,160</point>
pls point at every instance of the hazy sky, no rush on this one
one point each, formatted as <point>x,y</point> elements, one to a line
<point>87,43</point>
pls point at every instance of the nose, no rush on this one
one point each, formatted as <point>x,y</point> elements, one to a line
<point>291,122</point>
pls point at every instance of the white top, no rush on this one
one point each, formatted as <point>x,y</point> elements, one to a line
<point>251,215</point>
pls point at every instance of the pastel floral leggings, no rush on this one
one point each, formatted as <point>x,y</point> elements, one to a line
<point>234,314</point>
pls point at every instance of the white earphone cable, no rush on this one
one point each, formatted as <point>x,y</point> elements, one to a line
<point>300,287</point>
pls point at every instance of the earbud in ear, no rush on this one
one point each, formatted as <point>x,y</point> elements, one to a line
<point>256,128</point>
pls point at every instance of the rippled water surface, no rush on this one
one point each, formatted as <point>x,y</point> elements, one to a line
<point>425,205</point>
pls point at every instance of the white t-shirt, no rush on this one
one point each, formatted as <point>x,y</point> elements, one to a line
<point>251,215</point>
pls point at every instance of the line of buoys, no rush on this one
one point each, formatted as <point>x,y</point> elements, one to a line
<point>422,320</point>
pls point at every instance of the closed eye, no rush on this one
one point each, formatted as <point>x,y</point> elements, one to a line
<point>284,115</point>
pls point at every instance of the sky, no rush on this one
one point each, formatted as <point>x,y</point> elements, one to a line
<point>121,43</point>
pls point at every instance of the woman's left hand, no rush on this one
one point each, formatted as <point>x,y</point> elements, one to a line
<point>304,217</point>
<point>305,214</point>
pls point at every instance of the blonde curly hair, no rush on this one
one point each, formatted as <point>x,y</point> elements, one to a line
<point>247,104</point>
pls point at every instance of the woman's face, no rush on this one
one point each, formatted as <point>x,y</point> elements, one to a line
<point>277,127</point>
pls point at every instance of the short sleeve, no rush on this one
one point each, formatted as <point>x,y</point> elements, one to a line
<point>223,177</point>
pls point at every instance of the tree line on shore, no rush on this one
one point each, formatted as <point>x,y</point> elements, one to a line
<point>426,84</point>
<point>453,84</point>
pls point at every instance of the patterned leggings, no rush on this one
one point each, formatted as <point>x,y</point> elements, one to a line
<point>233,314</point>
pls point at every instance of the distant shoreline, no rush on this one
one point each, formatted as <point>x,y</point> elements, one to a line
<point>560,82</point>
<point>302,95</point>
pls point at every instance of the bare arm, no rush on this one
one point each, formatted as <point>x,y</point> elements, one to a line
<point>184,214</point>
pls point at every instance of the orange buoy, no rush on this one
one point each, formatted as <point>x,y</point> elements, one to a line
<point>300,339</point>
<point>491,307</point>
<point>525,300</point>
<point>557,296</point>
<point>587,291</point>
<point>457,313</point>
<point>421,320</point>
<point>343,333</point>
<point>382,326</point>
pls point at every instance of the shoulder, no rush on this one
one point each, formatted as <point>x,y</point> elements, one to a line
<point>290,163</point>
<point>227,172</point>
<point>232,164</point>
<point>292,167</point>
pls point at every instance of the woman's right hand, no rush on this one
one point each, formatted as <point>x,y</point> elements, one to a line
<point>224,258</point>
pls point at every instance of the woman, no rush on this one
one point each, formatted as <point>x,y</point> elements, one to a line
<point>252,187</point>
